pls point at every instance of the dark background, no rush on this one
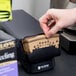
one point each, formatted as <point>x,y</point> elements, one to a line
<point>65,65</point>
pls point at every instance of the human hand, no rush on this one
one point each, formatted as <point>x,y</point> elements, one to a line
<point>60,18</point>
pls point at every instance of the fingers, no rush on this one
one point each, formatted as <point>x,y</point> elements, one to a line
<point>47,22</point>
<point>44,22</point>
<point>50,23</point>
<point>54,29</point>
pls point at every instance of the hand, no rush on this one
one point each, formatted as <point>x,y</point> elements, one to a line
<point>60,18</point>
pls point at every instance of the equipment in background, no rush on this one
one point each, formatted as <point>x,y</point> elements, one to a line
<point>68,42</point>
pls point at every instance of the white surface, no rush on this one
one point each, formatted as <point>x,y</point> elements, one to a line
<point>41,6</point>
<point>26,5</point>
<point>34,7</point>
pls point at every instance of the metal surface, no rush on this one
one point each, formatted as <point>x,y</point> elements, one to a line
<point>58,3</point>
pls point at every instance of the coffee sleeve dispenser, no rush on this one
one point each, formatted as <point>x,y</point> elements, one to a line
<point>36,52</point>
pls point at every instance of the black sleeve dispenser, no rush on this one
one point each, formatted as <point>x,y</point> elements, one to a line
<point>23,25</point>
